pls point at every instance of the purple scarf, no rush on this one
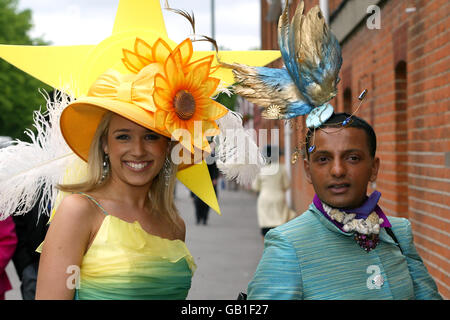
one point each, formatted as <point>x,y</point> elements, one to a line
<point>362,212</point>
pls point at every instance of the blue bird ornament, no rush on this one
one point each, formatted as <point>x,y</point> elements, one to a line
<point>312,58</point>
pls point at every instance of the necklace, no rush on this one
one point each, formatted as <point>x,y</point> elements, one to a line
<point>366,230</point>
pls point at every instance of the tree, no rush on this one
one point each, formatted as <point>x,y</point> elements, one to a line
<point>19,92</point>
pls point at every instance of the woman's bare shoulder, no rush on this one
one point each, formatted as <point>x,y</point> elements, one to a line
<point>76,208</point>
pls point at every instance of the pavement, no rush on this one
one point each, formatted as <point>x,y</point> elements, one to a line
<point>226,250</point>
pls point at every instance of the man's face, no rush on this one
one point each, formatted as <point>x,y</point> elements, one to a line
<point>341,166</point>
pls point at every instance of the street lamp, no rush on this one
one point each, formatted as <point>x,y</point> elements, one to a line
<point>213,22</point>
<point>325,11</point>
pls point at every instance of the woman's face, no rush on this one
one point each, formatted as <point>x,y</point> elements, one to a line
<point>136,154</point>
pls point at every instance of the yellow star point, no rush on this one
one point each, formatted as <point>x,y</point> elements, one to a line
<point>145,15</point>
<point>76,67</point>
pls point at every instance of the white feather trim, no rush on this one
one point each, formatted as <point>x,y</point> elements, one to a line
<point>27,169</point>
<point>237,154</point>
<point>223,88</point>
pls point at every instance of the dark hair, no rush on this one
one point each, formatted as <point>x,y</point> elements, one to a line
<point>336,121</point>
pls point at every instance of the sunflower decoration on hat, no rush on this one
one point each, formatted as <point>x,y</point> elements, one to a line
<point>164,87</point>
<point>166,92</point>
<point>182,93</point>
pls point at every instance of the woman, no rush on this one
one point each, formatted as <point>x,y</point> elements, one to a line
<point>119,235</point>
<point>272,183</point>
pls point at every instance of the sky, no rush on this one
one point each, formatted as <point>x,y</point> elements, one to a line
<point>75,22</point>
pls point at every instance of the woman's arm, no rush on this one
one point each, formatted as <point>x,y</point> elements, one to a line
<point>64,247</point>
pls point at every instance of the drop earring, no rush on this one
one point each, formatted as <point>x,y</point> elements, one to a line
<point>105,169</point>
<point>167,171</point>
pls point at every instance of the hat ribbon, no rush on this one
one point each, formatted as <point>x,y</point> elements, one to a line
<point>131,88</point>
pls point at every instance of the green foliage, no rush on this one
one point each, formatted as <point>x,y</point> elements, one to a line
<point>227,101</point>
<point>19,95</point>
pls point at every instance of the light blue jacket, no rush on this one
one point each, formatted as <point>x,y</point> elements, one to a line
<point>310,258</point>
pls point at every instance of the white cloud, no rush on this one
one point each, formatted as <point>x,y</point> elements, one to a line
<point>72,22</point>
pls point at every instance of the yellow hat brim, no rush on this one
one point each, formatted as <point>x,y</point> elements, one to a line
<point>80,120</point>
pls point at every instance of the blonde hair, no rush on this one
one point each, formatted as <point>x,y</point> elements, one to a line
<point>161,193</point>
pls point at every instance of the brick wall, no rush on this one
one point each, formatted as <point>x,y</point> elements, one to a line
<point>405,67</point>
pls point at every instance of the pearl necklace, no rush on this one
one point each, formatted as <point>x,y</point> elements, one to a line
<point>366,230</point>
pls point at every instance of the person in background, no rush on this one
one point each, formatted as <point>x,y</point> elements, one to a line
<point>201,208</point>
<point>8,242</point>
<point>31,229</point>
<point>272,183</point>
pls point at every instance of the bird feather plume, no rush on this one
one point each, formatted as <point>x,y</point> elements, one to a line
<point>29,169</point>
<point>191,18</point>
<point>317,55</point>
<point>312,59</point>
<point>237,154</point>
<point>269,86</point>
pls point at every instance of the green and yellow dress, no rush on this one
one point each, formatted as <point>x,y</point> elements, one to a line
<point>126,262</point>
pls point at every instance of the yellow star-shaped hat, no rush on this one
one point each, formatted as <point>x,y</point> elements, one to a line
<point>77,67</point>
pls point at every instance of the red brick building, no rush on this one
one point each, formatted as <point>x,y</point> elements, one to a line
<point>404,63</point>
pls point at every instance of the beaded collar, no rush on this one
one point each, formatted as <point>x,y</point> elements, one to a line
<point>364,221</point>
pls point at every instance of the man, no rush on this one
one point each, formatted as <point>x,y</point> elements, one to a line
<point>343,246</point>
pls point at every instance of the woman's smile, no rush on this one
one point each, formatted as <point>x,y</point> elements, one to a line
<point>138,166</point>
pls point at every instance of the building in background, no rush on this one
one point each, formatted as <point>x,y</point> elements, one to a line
<point>399,51</point>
